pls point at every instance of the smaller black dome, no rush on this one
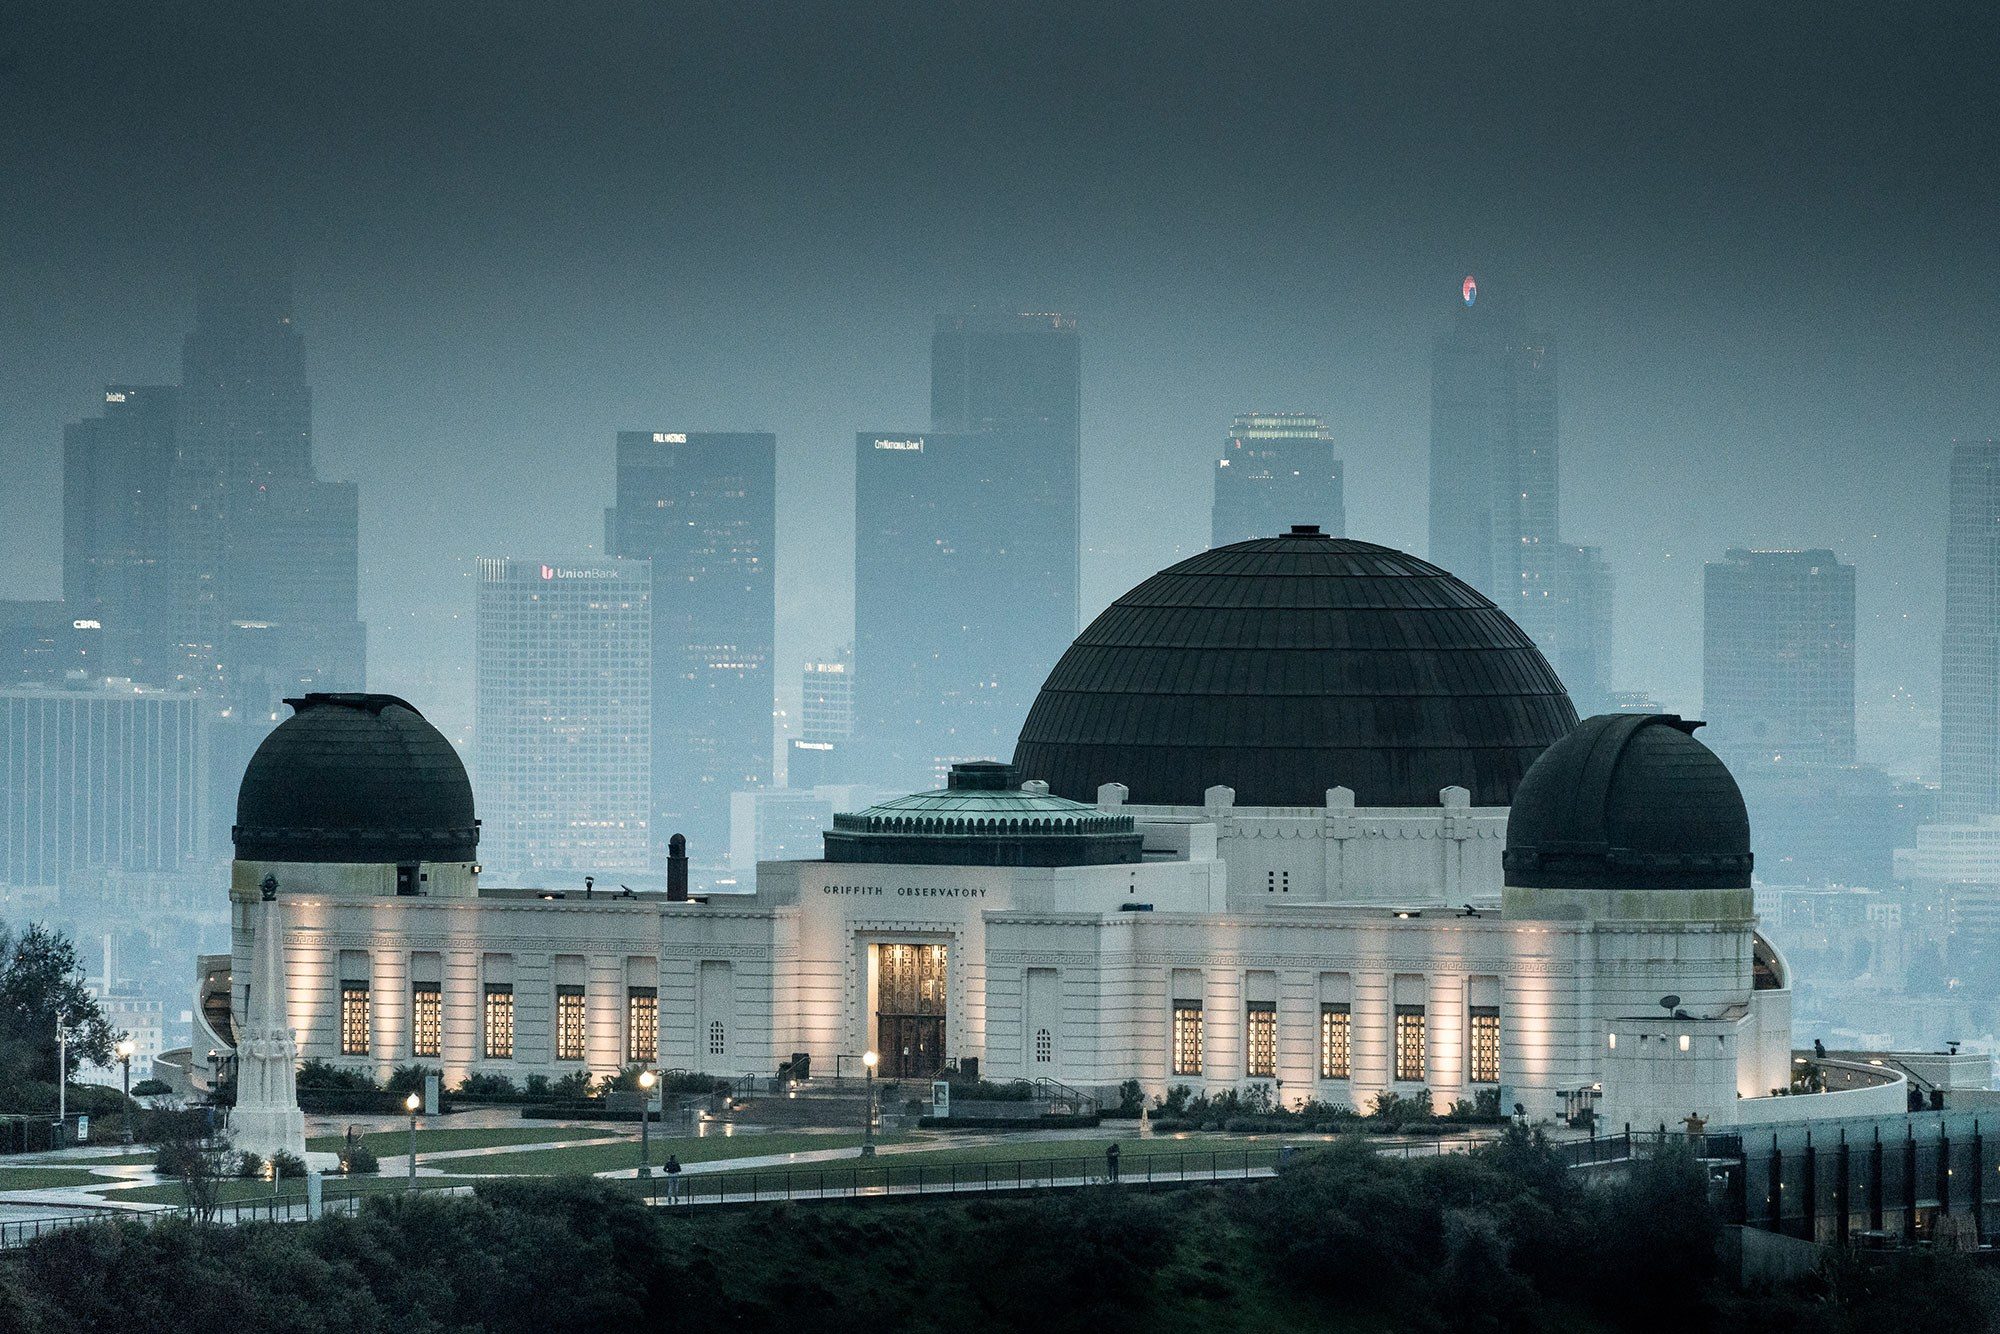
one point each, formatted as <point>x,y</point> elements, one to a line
<point>355,778</point>
<point>1629,801</point>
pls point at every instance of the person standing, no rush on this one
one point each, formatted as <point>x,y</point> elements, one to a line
<point>673,1178</point>
<point>1111,1163</point>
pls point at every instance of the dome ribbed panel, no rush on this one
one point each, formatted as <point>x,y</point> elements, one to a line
<point>355,778</point>
<point>1286,666</point>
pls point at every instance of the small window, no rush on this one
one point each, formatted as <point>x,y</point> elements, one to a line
<point>569,1023</point>
<point>426,1020</point>
<point>642,1024</point>
<point>1045,1046</point>
<point>499,1021</point>
<point>1261,1051</point>
<point>1187,1039</point>
<point>1410,1044</point>
<point>1335,1041</point>
<point>716,1043</point>
<point>354,1019</point>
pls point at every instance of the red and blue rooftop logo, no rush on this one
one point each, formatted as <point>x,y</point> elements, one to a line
<point>1469,290</point>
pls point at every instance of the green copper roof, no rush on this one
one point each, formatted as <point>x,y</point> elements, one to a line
<point>984,818</point>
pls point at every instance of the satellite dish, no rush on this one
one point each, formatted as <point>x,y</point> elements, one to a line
<point>1670,1002</point>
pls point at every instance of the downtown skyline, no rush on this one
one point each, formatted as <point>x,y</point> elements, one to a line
<point>1758,348</point>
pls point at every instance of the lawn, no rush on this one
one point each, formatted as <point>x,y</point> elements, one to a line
<point>172,1193</point>
<point>386,1142</point>
<point>47,1178</point>
<point>586,1159</point>
<point>1067,1157</point>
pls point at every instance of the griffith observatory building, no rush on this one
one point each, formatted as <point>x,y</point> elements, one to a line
<point>1300,812</point>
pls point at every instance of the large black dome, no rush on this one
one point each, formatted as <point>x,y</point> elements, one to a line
<point>355,778</point>
<point>1629,801</point>
<point>1286,666</point>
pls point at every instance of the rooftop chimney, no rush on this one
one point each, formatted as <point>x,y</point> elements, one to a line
<point>677,869</point>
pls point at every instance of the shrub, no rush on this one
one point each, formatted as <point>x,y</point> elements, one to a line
<point>361,1161</point>
<point>324,1075</point>
<point>249,1166</point>
<point>537,1086</point>
<point>408,1079</point>
<point>984,1090</point>
<point>288,1164</point>
<point>150,1088</point>
<point>486,1086</point>
<point>575,1084</point>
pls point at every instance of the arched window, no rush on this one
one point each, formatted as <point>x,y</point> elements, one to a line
<point>715,1042</point>
<point>1045,1046</point>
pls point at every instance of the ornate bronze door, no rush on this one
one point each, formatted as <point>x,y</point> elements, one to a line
<point>910,1010</point>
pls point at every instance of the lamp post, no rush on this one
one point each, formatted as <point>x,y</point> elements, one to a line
<point>62,1078</point>
<point>869,1060</point>
<point>412,1103</point>
<point>647,1079</point>
<point>126,1050</point>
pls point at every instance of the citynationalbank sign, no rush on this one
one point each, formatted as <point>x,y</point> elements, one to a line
<point>908,891</point>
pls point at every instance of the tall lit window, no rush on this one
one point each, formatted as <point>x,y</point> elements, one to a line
<point>1485,1044</point>
<point>353,1018</point>
<point>499,1020</point>
<point>1410,1043</point>
<point>1045,1046</point>
<point>1187,1039</point>
<point>1260,1053</point>
<point>1335,1041</point>
<point>717,1043</point>
<point>642,1024</point>
<point>426,1020</point>
<point>569,1023</point>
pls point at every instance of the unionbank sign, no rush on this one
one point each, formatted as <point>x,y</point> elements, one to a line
<point>577,572</point>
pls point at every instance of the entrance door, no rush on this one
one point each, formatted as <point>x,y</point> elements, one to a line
<point>910,1010</point>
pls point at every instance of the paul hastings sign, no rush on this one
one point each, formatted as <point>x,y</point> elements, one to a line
<point>907,891</point>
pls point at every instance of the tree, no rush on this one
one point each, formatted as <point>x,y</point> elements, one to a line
<point>41,985</point>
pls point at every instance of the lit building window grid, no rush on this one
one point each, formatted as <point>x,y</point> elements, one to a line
<point>642,1024</point>
<point>570,1028</point>
<point>499,1021</point>
<point>1260,1056</point>
<point>354,1019</point>
<point>1187,1036</point>
<point>426,1020</point>
<point>1336,1041</point>
<point>1485,1062</point>
<point>1410,1036</point>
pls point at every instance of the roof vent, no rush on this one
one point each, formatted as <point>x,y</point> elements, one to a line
<point>1306,530</point>
<point>982,776</point>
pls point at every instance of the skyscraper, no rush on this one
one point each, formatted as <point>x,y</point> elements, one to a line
<point>1778,655</point>
<point>1577,637</point>
<point>966,577</point>
<point>563,681</point>
<point>1971,758</point>
<point>818,755</point>
<point>262,557</point>
<point>701,507</point>
<point>1277,469</point>
<point>1493,504</point>
<point>116,471</point>
<point>101,776</point>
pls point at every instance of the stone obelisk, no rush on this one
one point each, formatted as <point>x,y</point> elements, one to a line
<point>267,1119</point>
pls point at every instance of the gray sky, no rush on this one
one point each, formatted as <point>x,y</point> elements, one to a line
<point>1763,242</point>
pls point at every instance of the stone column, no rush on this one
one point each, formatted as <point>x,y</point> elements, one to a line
<point>267,1119</point>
